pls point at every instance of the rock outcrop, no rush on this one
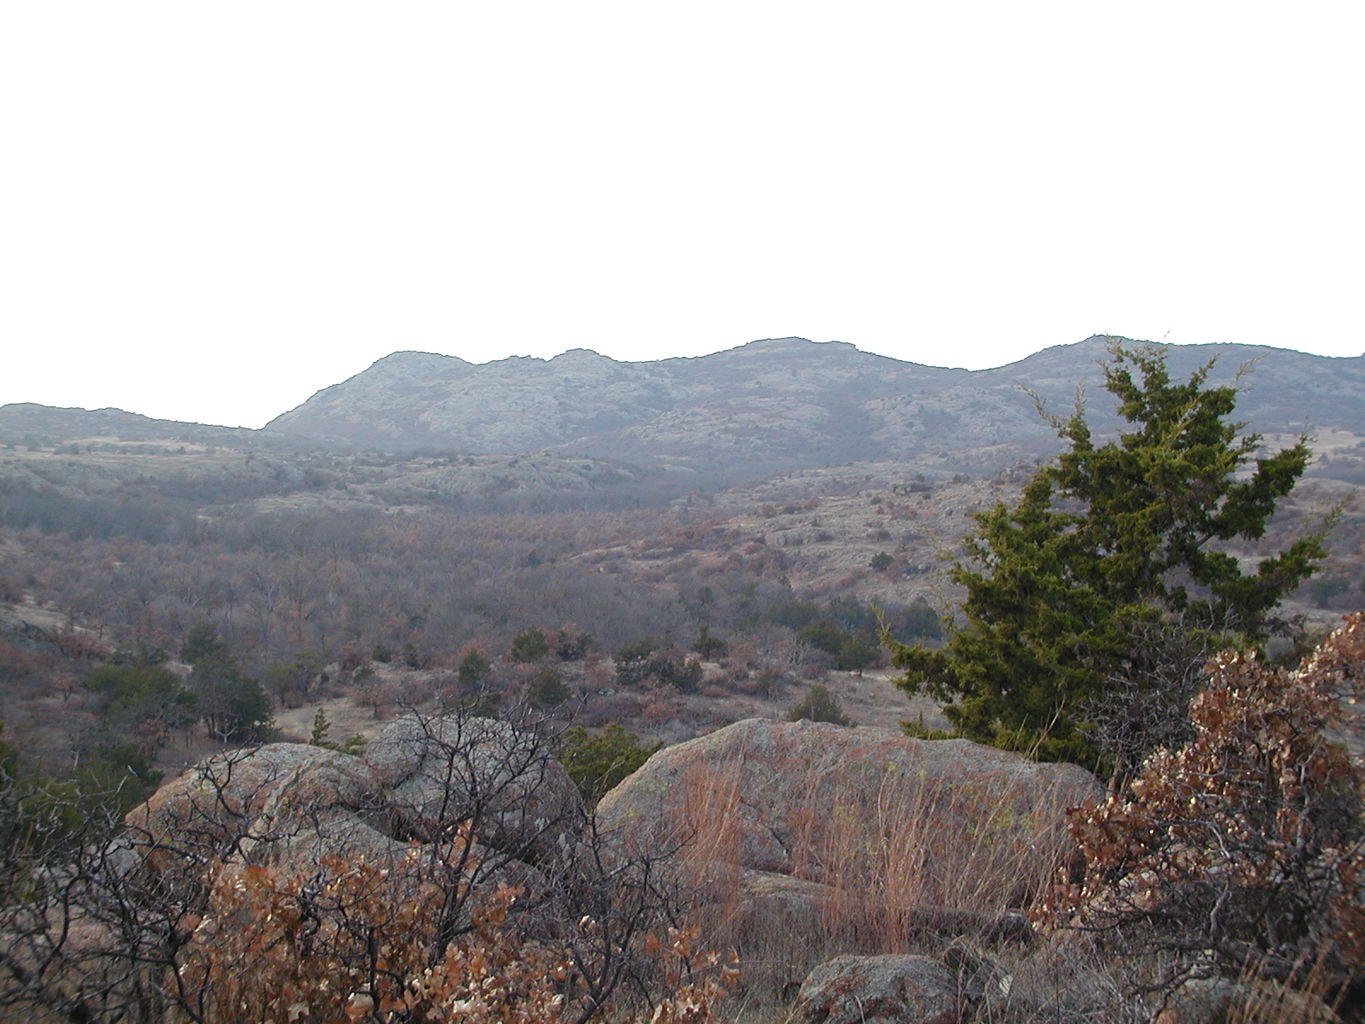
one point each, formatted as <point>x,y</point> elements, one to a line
<point>944,823</point>
<point>232,798</point>
<point>439,772</point>
<point>294,804</point>
<point>806,840</point>
<point>880,990</point>
<point>802,839</point>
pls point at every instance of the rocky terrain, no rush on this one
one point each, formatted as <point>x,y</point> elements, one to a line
<point>778,405</point>
<point>858,875</point>
<point>686,550</point>
<point>768,407</point>
<point>582,492</point>
<point>800,840</point>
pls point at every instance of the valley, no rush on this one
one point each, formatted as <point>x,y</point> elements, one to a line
<point>117,531</point>
<point>599,602</point>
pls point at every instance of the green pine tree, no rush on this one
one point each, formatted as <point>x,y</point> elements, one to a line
<point>321,727</point>
<point>1111,566</point>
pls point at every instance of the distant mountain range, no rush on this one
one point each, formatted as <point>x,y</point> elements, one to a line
<point>765,407</point>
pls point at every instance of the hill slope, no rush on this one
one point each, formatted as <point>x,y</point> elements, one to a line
<point>780,404</point>
<point>765,408</point>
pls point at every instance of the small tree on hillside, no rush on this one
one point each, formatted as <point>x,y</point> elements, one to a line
<point>571,644</point>
<point>202,643</point>
<point>547,689</point>
<point>529,645</point>
<point>820,705</point>
<point>1108,544</point>
<point>597,762</point>
<point>137,702</point>
<point>232,704</point>
<point>474,668</point>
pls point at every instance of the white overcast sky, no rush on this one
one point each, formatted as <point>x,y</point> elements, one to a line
<point>211,210</point>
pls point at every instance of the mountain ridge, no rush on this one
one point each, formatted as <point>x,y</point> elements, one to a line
<point>771,405</point>
<point>784,403</point>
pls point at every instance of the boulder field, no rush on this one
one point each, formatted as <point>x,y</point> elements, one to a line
<point>289,803</point>
<point>799,840</point>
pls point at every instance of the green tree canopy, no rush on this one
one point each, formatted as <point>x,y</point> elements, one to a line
<point>547,689</point>
<point>142,699</point>
<point>1109,546</point>
<point>232,704</point>
<point>529,645</point>
<point>598,761</point>
<point>819,705</point>
<point>474,669</point>
<point>202,643</point>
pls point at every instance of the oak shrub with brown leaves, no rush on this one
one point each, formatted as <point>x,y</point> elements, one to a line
<point>1242,851</point>
<point>252,890</point>
<point>350,941</point>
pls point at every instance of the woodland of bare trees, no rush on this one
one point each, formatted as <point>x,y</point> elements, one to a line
<point>312,603</point>
<point>286,582</point>
<point>281,583</point>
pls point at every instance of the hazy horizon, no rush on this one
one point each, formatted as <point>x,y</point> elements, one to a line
<point>213,212</point>
<point>549,358</point>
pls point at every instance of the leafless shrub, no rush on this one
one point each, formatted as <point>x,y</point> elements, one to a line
<point>1147,706</point>
<point>281,883</point>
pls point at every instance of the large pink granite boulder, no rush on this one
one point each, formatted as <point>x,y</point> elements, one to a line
<point>419,782</point>
<point>218,803</point>
<point>439,772</point>
<point>330,807</point>
<point>868,812</point>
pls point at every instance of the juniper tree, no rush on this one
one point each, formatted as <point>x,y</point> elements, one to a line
<point>819,705</point>
<point>1109,546</point>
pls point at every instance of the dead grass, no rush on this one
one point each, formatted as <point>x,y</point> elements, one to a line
<point>901,873</point>
<point>295,725</point>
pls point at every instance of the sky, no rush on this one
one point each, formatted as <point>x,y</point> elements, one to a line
<point>210,211</point>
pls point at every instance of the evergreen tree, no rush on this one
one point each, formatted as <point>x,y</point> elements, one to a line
<point>232,704</point>
<point>474,669</point>
<point>140,700</point>
<point>820,705</point>
<point>597,762</point>
<point>547,690</point>
<point>202,643</point>
<point>529,645</point>
<point>1110,546</point>
<point>322,725</point>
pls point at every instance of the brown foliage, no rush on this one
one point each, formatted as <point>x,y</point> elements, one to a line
<point>349,941</point>
<point>275,885</point>
<point>1243,849</point>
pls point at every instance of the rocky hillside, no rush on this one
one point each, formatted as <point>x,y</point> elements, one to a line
<point>675,425</point>
<point>776,405</point>
<point>30,424</point>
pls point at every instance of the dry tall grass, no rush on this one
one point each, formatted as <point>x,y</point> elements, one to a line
<point>919,865</point>
<point>901,869</point>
